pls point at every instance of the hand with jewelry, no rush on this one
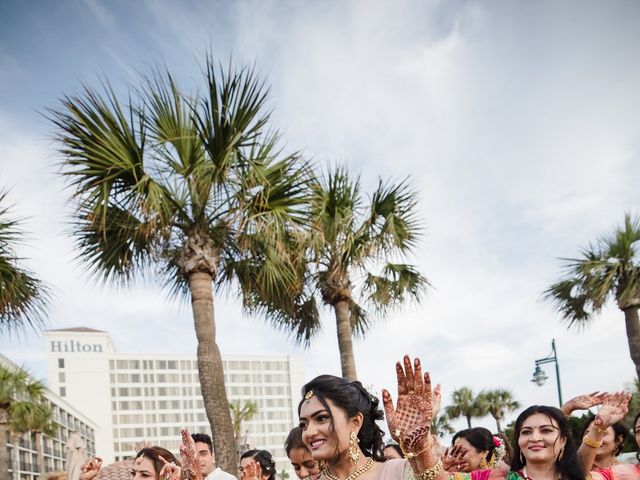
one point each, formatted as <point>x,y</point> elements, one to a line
<point>583,402</point>
<point>410,421</point>
<point>453,459</point>
<point>90,469</point>
<point>170,471</point>
<point>613,409</point>
<point>251,471</point>
<point>190,463</point>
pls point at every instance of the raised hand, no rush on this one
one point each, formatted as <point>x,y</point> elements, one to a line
<point>90,469</point>
<point>613,409</point>
<point>437,400</point>
<point>188,454</point>
<point>170,471</point>
<point>453,459</point>
<point>409,422</point>
<point>251,471</point>
<point>584,402</point>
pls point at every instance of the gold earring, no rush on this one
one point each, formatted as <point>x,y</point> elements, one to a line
<point>353,448</point>
<point>483,464</point>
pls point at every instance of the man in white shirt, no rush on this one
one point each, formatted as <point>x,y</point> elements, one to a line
<point>204,451</point>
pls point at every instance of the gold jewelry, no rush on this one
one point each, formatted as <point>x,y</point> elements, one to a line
<point>354,456</point>
<point>561,454</point>
<point>591,442</point>
<point>398,433</point>
<point>483,464</point>
<point>598,429</point>
<point>411,455</point>
<point>431,473</point>
<point>308,395</point>
<point>367,466</point>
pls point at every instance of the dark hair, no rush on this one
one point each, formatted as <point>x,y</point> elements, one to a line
<point>396,447</point>
<point>203,438</point>
<point>619,432</point>
<point>633,427</point>
<point>265,459</point>
<point>569,465</point>
<point>154,454</point>
<point>480,438</point>
<point>353,399</point>
<point>294,440</point>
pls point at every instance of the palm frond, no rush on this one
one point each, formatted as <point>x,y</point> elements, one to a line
<point>396,284</point>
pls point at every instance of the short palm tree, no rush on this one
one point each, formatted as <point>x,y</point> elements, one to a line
<point>465,404</point>
<point>440,426</point>
<point>23,297</point>
<point>497,402</point>
<point>608,269</point>
<point>18,392</point>
<point>35,417</point>
<point>194,189</point>
<point>351,250</point>
<point>241,412</point>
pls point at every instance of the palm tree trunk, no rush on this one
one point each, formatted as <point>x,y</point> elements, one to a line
<point>468,421</point>
<point>498,426</point>
<point>632,323</point>
<point>15,457</point>
<point>210,371</point>
<point>4,453</point>
<point>345,342</point>
<point>40,454</point>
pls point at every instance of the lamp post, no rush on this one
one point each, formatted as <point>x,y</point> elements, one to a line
<point>539,375</point>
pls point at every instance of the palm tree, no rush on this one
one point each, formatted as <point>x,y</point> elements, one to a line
<point>465,404</point>
<point>30,416</point>
<point>239,414</point>
<point>351,246</point>
<point>23,297</point>
<point>497,402</point>
<point>194,189</point>
<point>18,391</point>
<point>440,426</point>
<point>608,269</point>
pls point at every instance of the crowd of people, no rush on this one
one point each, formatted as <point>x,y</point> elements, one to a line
<point>339,438</point>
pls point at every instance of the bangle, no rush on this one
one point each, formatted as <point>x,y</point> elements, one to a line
<point>411,455</point>
<point>598,429</point>
<point>591,442</point>
<point>431,473</point>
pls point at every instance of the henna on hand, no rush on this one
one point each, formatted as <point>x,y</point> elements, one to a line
<point>90,469</point>
<point>584,402</point>
<point>170,471</point>
<point>188,454</point>
<point>613,409</point>
<point>410,421</point>
<point>453,459</point>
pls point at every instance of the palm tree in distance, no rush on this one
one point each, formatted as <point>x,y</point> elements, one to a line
<point>608,269</point>
<point>465,404</point>
<point>497,402</point>
<point>350,265</point>
<point>23,297</point>
<point>241,413</point>
<point>194,189</point>
<point>18,393</point>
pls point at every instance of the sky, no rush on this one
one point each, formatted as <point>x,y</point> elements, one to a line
<point>516,121</point>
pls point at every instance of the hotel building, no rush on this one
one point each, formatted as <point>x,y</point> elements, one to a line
<point>68,419</point>
<point>135,397</point>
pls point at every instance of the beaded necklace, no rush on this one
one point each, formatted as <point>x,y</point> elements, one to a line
<point>367,466</point>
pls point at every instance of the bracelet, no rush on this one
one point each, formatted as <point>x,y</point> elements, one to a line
<point>411,455</point>
<point>598,429</point>
<point>592,443</point>
<point>431,473</point>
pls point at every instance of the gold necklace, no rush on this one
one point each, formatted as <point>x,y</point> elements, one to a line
<point>367,466</point>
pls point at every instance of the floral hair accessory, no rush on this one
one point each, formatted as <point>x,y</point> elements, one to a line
<point>498,452</point>
<point>308,395</point>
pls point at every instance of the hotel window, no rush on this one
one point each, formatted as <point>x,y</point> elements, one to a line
<point>121,364</point>
<point>61,363</point>
<point>61,377</point>
<point>172,365</point>
<point>63,391</point>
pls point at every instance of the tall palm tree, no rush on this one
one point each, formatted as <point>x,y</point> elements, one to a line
<point>608,269</point>
<point>351,250</point>
<point>17,391</point>
<point>465,404</point>
<point>497,402</point>
<point>23,297</point>
<point>192,188</point>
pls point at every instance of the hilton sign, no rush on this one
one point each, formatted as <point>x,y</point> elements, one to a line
<point>71,346</point>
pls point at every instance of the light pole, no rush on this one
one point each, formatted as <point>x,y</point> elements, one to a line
<point>539,376</point>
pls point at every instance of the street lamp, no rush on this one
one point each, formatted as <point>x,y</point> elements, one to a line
<point>539,375</point>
